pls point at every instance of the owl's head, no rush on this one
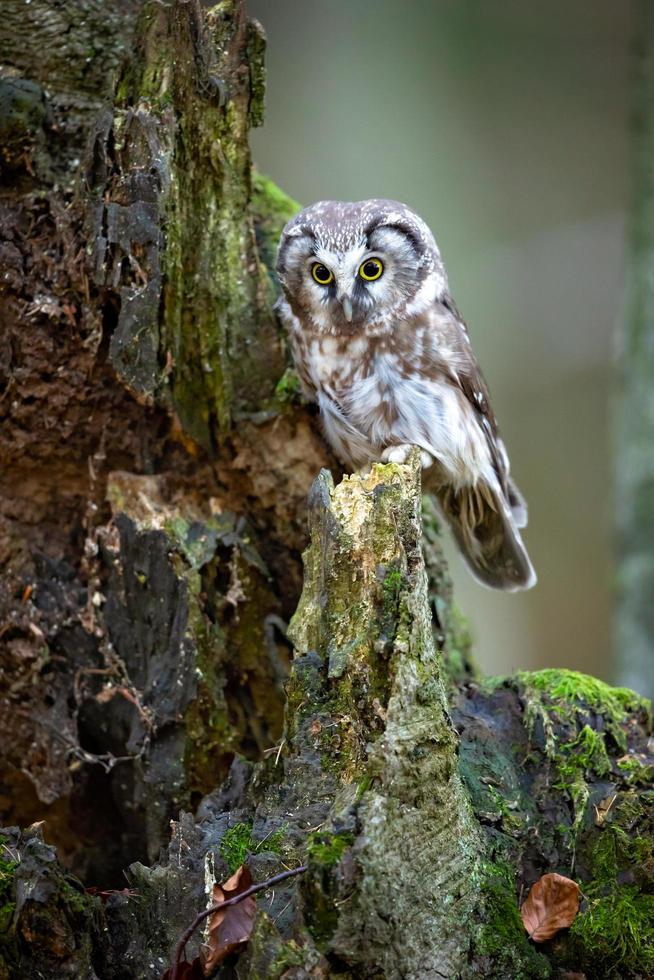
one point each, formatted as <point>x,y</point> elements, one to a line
<point>344,266</point>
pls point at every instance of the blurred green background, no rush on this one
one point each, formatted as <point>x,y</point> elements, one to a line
<point>506,126</point>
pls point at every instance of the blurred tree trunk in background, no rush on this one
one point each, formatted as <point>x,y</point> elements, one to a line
<point>156,713</point>
<point>634,435</point>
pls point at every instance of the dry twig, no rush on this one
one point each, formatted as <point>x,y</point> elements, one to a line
<point>199,919</point>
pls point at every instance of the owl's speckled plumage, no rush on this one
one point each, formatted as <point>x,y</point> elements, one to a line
<point>391,365</point>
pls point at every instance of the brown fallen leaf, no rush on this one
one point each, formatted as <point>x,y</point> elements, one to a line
<point>229,928</point>
<point>552,904</point>
<point>187,971</point>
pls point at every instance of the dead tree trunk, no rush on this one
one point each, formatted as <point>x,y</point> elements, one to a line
<point>156,461</point>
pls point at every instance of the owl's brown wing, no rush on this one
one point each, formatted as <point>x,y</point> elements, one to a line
<point>467,374</point>
<point>473,384</point>
<point>484,517</point>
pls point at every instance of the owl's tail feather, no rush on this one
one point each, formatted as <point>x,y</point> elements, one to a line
<point>485,524</point>
<point>517,504</point>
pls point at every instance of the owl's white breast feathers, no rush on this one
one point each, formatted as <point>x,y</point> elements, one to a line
<point>433,414</point>
<point>372,397</point>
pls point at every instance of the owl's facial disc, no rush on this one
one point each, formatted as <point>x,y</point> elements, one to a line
<point>346,283</point>
<point>376,262</point>
<point>346,276</point>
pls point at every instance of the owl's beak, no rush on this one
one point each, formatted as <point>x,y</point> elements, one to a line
<point>346,303</point>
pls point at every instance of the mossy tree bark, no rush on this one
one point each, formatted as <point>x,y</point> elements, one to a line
<point>156,464</point>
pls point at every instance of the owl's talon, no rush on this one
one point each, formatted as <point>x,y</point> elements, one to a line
<point>400,454</point>
<point>396,454</point>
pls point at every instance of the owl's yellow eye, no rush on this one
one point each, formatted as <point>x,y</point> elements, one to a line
<point>322,275</point>
<point>371,270</point>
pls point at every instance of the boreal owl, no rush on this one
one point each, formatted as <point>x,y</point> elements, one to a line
<point>381,347</point>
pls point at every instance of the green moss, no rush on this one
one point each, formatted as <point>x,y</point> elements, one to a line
<point>324,851</point>
<point>256,50</point>
<point>393,617</point>
<point>238,843</point>
<point>616,931</point>
<point>609,853</point>
<point>575,689</point>
<point>613,935</point>
<point>587,753</point>
<point>197,540</point>
<point>270,204</point>
<point>271,209</point>
<point>502,935</point>
<point>269,957</point>
<point>609,843</point>
<point>583,757</point>
<point>290,959</point>
<point>287,388</point>
<point>7,863</point>
<point>560,700</point>
<point>328,849</point>
<point>8,941</point>
<point>77,902</point>
<point>362,787</point>
<point>512,822</point>
<point>7,905</point>
<point>272,842</point>
<point>393,582</point>
<point>625,846</point>
<point>635,772</point>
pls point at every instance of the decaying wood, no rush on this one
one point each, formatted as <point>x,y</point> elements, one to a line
<point>179,693</point>
<point>101,352</point>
